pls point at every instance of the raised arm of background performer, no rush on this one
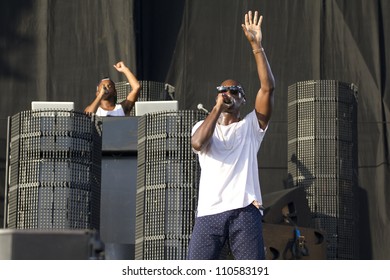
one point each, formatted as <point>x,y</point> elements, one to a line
<point>264,97</point>
<point>132,97</point>
<point>128,103</point>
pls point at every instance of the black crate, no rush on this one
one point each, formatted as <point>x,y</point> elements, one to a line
<point>150,91</point>
<point>322,141</point>
<point>166,185</point>
<point>53,153</point>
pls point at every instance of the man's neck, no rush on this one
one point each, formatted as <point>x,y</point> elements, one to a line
<point>229,118</point>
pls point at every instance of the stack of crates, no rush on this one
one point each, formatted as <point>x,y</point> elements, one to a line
<point>150,91</point>
<point>53,171</point>
<point>167,184</point>
<point>322,158</point>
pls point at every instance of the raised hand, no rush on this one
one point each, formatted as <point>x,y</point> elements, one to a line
<point>252,27</point>
<point>120,66</point>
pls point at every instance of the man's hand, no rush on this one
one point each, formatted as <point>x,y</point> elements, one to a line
<point>120,66</point>
<point>224,101</point>
<point>103,91</point>
<point>252,28</point>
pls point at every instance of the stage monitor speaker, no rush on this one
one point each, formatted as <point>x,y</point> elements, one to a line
<point>50,245</point>
<point>283,243</point>
<point>287,207</point>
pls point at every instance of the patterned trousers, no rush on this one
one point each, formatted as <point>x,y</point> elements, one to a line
<point>242,228</point>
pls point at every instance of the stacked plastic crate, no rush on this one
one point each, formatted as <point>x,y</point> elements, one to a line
<point>167,184</point>
<point>322,158</point>
<point>150,91</point>
<point>54,166</point>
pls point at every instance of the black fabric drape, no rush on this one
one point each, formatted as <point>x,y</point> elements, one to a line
<point>57,50</point>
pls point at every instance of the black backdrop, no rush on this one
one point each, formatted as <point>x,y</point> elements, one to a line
<point>58,49</point>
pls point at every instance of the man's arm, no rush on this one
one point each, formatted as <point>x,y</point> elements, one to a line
<point>132,97</point>
<point>201,137</point>
<point>264,97</point>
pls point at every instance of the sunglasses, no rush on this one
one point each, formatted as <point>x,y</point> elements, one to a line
<point>235,90</point>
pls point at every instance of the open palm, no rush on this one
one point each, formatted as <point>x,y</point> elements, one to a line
<point>252,27</point>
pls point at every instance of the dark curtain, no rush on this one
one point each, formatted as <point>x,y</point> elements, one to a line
<point>57,50</point>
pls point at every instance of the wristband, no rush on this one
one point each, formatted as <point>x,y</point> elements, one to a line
<point>258,50</point>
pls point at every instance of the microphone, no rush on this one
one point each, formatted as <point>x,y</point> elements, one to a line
<point>200,107</point>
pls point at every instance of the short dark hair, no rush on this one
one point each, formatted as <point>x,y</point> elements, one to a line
<point>104,79</point>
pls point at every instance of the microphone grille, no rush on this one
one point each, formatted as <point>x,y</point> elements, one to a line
<point>200,106</point>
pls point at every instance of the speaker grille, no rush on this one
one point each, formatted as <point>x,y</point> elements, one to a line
<point>167,185</point>
<point>150,91</point>
<point>322,158</point>
<point>54,171</point>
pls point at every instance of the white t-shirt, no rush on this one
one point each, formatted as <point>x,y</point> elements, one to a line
<point>117,112</point>
<point>229,171</point>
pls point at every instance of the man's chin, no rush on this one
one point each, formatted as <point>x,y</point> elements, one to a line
<point>108,96</point>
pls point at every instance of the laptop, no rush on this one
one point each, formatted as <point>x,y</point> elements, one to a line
<point>145,107</point>
<point>52,105</point>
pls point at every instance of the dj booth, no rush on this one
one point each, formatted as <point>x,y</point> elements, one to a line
<point>67,171</point>
<point>120,188</point>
